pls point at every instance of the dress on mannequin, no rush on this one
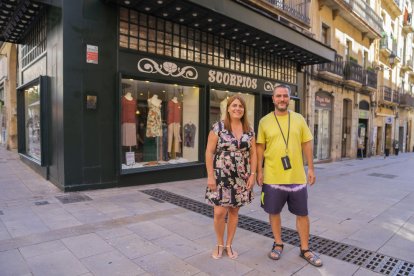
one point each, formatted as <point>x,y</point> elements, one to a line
<point>154,124</point>
<point>128,120</point>
<point>223,109</point>
<point>174,124</point>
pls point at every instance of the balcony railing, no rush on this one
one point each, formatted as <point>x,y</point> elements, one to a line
<point>395,96</point>
<point>297,8</point>
<point>407,100</point>
<point>370,78</point>
<point>353,71</point>
<point>336,67</point>
<point>385,94</point>
<point>363,10</point>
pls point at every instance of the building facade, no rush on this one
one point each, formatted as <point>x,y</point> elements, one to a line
<point>134,104</point>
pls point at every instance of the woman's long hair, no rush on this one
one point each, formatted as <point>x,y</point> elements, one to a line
<point>243,119</point>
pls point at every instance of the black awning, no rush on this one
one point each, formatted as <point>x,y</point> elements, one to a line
<point>17,18</point>
<point>237,22</point>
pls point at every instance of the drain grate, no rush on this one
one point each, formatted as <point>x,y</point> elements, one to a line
<point>157,200</point>
<point>39,203</point>
<point>368,259</point>
<point>389,176</point>
<point>72,198</point>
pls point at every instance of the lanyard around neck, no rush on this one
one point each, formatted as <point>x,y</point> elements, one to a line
<point>284,139</point>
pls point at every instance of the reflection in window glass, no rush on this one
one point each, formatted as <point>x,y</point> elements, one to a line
<point>159,124</point>
<point>218,105</point>
<point>32,121</point>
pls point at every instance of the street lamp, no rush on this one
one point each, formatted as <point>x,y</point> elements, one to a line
<point>391,59</point>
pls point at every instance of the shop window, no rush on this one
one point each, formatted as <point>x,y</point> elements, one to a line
<point>159,124</point>
<point>218,105</point>
<point>32,108</point>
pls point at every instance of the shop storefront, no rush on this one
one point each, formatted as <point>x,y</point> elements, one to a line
<point>363,129</point>
<point>139,99</point>
<point>322,125</point>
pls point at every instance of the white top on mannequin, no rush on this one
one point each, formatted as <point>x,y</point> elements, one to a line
<point>155,101</point>
<point>128,96</point>
<point>174,100</point>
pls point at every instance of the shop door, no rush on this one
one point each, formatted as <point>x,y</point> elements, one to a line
<point>388,139</point>
<point>363,137</point>
<point>346,127</point>
<point>267,105</point>
<point>380,148</point>
<point>401,138</point>
<point>322,134</point>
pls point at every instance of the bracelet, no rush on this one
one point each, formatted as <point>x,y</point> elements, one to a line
<point>253,173</point>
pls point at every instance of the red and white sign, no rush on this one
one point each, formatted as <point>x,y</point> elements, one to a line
<point>92,54</point>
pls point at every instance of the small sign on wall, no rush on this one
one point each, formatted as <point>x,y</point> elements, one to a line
<point>92,54</point>
<point>130,158</point>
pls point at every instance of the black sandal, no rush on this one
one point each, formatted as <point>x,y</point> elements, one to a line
<point>278,253</point>
<point>312,258</point>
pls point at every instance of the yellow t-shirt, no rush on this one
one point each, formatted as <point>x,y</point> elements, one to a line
<point>275,148</point>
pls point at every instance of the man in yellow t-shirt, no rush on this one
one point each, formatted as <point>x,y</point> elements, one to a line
<point>282,137</point>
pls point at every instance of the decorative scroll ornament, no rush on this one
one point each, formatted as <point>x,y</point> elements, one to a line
<point>268,86</point>
<point>149,66</point>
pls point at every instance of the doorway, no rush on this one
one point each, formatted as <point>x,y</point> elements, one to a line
<point>346,127</point>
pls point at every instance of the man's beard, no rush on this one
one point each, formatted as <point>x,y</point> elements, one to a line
<point>282,109</point>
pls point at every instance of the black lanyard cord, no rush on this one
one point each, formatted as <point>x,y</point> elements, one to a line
<point>284,139</point>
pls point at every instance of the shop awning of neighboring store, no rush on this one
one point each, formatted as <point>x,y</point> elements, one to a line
<point>237,22</point>
<point>17,17</point>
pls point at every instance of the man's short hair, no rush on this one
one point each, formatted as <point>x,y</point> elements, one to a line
<point>282,86</point>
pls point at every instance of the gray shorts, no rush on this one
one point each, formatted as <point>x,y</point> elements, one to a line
<point>274,198</point>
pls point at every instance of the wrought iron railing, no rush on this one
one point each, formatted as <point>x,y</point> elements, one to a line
<point>299,9</point>
<point>370,78</point>
<point>407,100</point>
<point>336,67</point>
<point>353,71</point>
<point>395,96</point>
<point>363,10</point>
<point>385,93</point>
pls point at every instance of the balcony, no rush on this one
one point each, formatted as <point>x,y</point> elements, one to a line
<point>395,96</point>
<point>406,100</point>
<point>386,44</point>
<point>353,74</point>
<point>357,13</point>
<point>407,23</point>
<point>370,81</point>
<point>385,95</point>
<point>392,7</point>
<point>407,64</point>
<point>296,10</point>
<point>332,70</point>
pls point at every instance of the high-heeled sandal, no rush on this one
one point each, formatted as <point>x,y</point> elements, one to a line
<point>231,253</point>
<point>217,253</point>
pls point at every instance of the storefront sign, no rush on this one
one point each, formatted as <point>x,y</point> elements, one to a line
<point>92,54</point>
<point>323,100</point>
<point>363,114</point>
<point>215,76</point>
<point>172,70</point>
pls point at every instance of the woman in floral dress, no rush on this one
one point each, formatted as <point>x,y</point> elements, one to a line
<point>231,166</point>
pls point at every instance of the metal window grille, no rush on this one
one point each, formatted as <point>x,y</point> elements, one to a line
<point>145,33</point>
<point>35,42</point>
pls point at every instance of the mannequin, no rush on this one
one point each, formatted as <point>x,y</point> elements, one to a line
<point>223,109</point>
<point>174,124</point>
<point>128,120</point>
<point>154,124</point>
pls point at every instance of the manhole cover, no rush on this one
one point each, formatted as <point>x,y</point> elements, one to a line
<point>72,198</point>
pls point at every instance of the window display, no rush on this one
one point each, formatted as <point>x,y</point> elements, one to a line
<point>159,124</point>
<point>32,121</point>
<point>218,105</point>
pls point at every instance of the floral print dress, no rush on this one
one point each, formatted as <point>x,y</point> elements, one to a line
<point>154,123</point>
<point>231,169</point>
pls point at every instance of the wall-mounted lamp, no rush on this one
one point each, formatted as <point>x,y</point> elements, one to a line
<point>391,59</point>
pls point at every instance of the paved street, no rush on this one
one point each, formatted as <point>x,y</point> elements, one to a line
<point>364,207</point>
